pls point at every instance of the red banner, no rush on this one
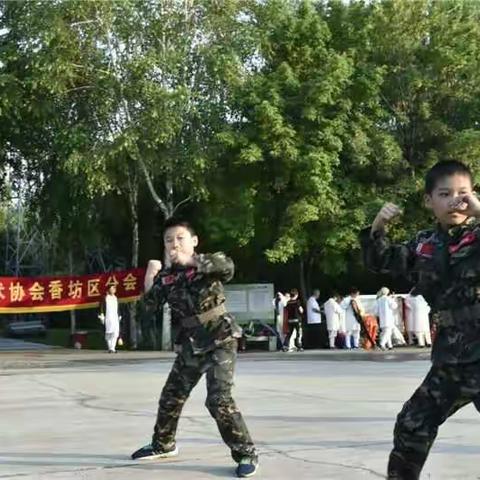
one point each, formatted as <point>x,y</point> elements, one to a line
<point>54,294</point>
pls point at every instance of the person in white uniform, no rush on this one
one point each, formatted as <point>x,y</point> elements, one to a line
<point>352,325</point>
<point>110,317</point>
<point>397,335</point>
<point>419,311</point>
<point>314,321</point>
<point>333,313</point>
<point>342,328</point>
<point>385,311</point>
<point>279,303</point>
<point>409,321</point>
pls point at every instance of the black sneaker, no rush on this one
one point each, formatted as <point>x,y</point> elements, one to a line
<point>149,453</point>
<point>247,467</point>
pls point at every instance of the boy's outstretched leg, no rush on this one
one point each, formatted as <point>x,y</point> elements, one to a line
<point>178,386</point>
<point>444,390</point>
<point>223,409</point>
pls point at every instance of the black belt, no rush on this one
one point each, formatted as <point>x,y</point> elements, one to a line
<point>204,317</point>
<point>468,315</point>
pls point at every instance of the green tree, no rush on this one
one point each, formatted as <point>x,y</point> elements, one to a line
<point>119,95</point>
<point>414,101</point>
<point>287,144</point>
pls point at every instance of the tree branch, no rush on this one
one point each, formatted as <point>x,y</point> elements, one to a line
<point>185,200</point>
<point>156,198</point>
<point>83,22</point>
<point>126,112</point>
<point>76,89</point>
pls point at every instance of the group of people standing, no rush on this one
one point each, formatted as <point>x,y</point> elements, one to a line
<point>289,309</point>
<point>342,316</point>
<point>417,321</point>
<point>346,319</point>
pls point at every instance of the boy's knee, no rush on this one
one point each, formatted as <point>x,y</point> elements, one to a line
<point>171,401</point>
<point>220,405</point>
<point>414,432</point>
<point>408,420</point>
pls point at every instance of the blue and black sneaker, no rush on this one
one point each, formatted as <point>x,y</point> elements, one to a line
<point>149,453</point>
<point>247,467</point>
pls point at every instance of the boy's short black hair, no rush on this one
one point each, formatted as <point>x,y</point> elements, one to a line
<point>445,168</point>
<point>178,222</point>
<point>354,290</point>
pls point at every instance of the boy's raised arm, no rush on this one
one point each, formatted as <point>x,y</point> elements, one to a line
<point>217,265</point>
<point>378,254</point>
<point>153,295</point>
<point>153,267</point>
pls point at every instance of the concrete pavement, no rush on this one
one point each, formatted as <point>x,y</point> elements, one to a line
<point>314,415</point>
<point>15,345</point>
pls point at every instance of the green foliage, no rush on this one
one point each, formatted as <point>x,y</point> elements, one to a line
<point>289,122</point>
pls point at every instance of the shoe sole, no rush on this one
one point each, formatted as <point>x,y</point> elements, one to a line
<point>250,474</point>
<point>173,453</point>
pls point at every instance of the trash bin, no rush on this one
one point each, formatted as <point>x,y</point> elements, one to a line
<point>79,339</point>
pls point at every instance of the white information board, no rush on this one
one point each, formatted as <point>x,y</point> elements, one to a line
<point>251,301</point>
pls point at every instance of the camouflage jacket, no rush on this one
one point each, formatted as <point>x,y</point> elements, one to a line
<point>445,268</point>
<point>192,290</point>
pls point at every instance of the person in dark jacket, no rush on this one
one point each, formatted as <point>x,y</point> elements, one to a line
<point>444,264</point>
<point>294,312</point>
<point>206,342</point>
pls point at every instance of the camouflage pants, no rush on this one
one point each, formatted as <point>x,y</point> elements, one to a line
<point>187,370</point>
<point>445,390</point>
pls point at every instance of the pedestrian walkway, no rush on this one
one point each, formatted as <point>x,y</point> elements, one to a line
<point>312,416</point>
<point>14,344</point>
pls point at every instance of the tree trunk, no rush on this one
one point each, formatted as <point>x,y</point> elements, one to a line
<point>303,284</point>
<point>133,204</point>
<point>308,275</point>
<point>169,197</point>
<point>166,316</point>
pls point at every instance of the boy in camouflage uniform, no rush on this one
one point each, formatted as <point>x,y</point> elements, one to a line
<point>444,263</point>
<point>206,342</point>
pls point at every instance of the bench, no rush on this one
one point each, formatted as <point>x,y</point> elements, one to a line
<point>33,327</point>
<point>272,341</point>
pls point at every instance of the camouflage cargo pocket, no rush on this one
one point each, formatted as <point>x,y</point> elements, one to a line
<point>224,364</point>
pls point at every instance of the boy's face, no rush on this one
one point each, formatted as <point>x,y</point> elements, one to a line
<point>179,244</point>
<point>441,201</point>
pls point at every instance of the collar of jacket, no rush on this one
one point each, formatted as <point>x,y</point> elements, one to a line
<point>176,268</point>
<point>457,231</point>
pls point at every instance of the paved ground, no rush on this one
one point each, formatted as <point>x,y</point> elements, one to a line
<point>323,415</point>
<point>12,344</point>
